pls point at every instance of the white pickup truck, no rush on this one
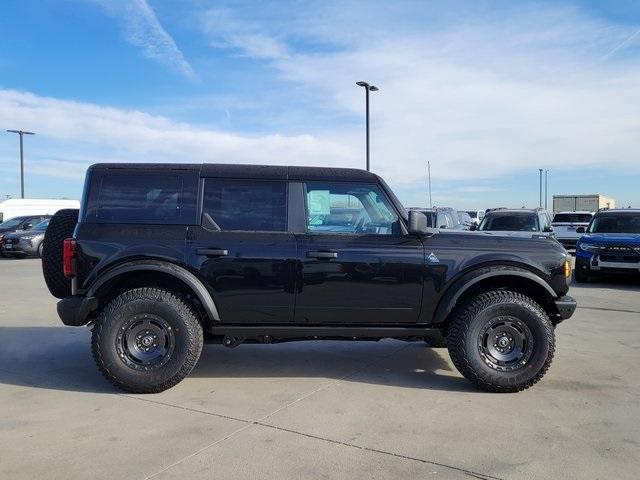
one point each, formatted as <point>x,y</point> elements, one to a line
<point>565,225</point>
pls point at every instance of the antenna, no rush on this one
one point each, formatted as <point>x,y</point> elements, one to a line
<point>429,174</point>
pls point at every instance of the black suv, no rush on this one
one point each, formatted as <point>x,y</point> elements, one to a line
<point>162,258</point>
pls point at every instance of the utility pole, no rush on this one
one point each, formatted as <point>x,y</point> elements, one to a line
<point>540,203</point>
<point>21,133</point>
<point>367,88</point>
<point>546,196</point>
<point>429,175</point>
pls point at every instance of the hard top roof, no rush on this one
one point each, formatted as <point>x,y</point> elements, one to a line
<point>273,172</point>
<point>605,211</point>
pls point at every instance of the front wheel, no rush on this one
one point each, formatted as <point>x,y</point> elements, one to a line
<point>501,341</point>
<point>146,340</point>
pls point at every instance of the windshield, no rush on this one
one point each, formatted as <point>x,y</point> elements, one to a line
<point>42,226</point>
<point>510,222</point>
<point>572,218</point>
<point>14,222</point>
<point>616,223</point>
<point>472,213</point>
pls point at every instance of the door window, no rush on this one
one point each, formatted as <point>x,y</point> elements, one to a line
<point>246,205</point>
<point>351,208</point>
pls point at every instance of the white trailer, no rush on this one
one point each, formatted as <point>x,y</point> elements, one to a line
<point>584,203</point>
<point>18,207</point>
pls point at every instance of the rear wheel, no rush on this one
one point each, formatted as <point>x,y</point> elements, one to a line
<point>501,341</point>
<point>60,227</point>
<point>147,340</point>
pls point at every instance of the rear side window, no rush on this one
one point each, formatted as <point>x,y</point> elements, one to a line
<point>246,205</point>
<point>129,198</point>
<point>142,198</point>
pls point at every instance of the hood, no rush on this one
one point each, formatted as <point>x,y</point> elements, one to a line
<point>509,233</point>
<point>24,233</point>
<point>611,238</point>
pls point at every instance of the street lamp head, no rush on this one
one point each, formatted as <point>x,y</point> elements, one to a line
<point>362,84</point>
<point>373,88</point>
<point>21,132</point>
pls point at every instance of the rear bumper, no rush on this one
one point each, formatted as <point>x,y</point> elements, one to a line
<point>566,306</point>
<point>74,310</point>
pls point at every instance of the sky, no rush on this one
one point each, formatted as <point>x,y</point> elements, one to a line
<point>487,92</point>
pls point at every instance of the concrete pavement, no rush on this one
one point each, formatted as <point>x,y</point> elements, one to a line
<point>317,409</point>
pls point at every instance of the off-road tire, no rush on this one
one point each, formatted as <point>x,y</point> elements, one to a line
<point>465,334</point>
<point>163,304</point>
<point>60,227</point>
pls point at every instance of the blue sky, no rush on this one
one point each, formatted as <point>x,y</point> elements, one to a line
<point>488,92</point>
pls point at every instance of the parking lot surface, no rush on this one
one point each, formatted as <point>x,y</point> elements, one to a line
<point>330,410</point>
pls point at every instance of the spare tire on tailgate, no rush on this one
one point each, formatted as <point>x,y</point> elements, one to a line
<point>60,227</point>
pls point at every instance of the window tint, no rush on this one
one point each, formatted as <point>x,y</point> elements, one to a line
<point>140,198</point>
<point>246,204</point>
<point>349,208</point>
<point>611,223</point>
<point>572,218</point>
<point>509,221</point>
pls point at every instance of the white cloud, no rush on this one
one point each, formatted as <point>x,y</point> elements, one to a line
<point>72,135</point>
<point>143,30</point>
<point>478,94</point>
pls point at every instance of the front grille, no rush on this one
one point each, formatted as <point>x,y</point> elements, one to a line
<point>620,253</point>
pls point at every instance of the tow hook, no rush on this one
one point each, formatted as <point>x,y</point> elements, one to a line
<point>232,342</point>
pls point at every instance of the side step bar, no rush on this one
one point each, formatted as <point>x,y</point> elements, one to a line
<point>290,331</point>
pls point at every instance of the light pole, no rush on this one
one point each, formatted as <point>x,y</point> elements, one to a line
<point>367,88</point>
<point>21,133</point>
<point>546,195</point>
<point>540,203</point>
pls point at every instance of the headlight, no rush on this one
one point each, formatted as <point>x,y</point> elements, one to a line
<point>29,237</point>
<point>587,247</point>
<point>567,268</point>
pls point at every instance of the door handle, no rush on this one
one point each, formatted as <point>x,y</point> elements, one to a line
<point>212,252</point>
<point>322,254</point>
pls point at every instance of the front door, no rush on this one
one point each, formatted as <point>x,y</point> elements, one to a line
<point>357,265</point>
<point>243,251</point>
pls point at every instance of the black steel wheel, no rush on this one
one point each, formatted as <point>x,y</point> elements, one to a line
<point>501,341</point>
<point>505,344</point>
<point>147,340</point>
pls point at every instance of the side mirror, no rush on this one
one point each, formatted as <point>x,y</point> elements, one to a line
<point>417,223</point>
<point>473,227</point>
<point>581,230</point>
<point>548,229</point>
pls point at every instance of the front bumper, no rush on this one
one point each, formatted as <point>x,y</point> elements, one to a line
<point>74,311</point>
<point>22,247</point>
<point>566,306</point>
<point>592,263</point>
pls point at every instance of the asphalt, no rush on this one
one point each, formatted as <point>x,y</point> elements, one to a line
<point>331,410</point>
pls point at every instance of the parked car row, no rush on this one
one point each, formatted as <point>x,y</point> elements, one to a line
<point>23,236</point>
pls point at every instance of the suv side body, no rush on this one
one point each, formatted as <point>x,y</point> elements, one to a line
<point>274,253</point>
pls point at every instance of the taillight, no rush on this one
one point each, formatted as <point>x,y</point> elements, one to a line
<point>69,257</point>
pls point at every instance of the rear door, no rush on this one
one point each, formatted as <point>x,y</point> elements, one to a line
<point>357,264</point>
<point>243,251</point>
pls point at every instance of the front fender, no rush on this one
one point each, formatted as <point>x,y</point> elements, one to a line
<point>468,280</point>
